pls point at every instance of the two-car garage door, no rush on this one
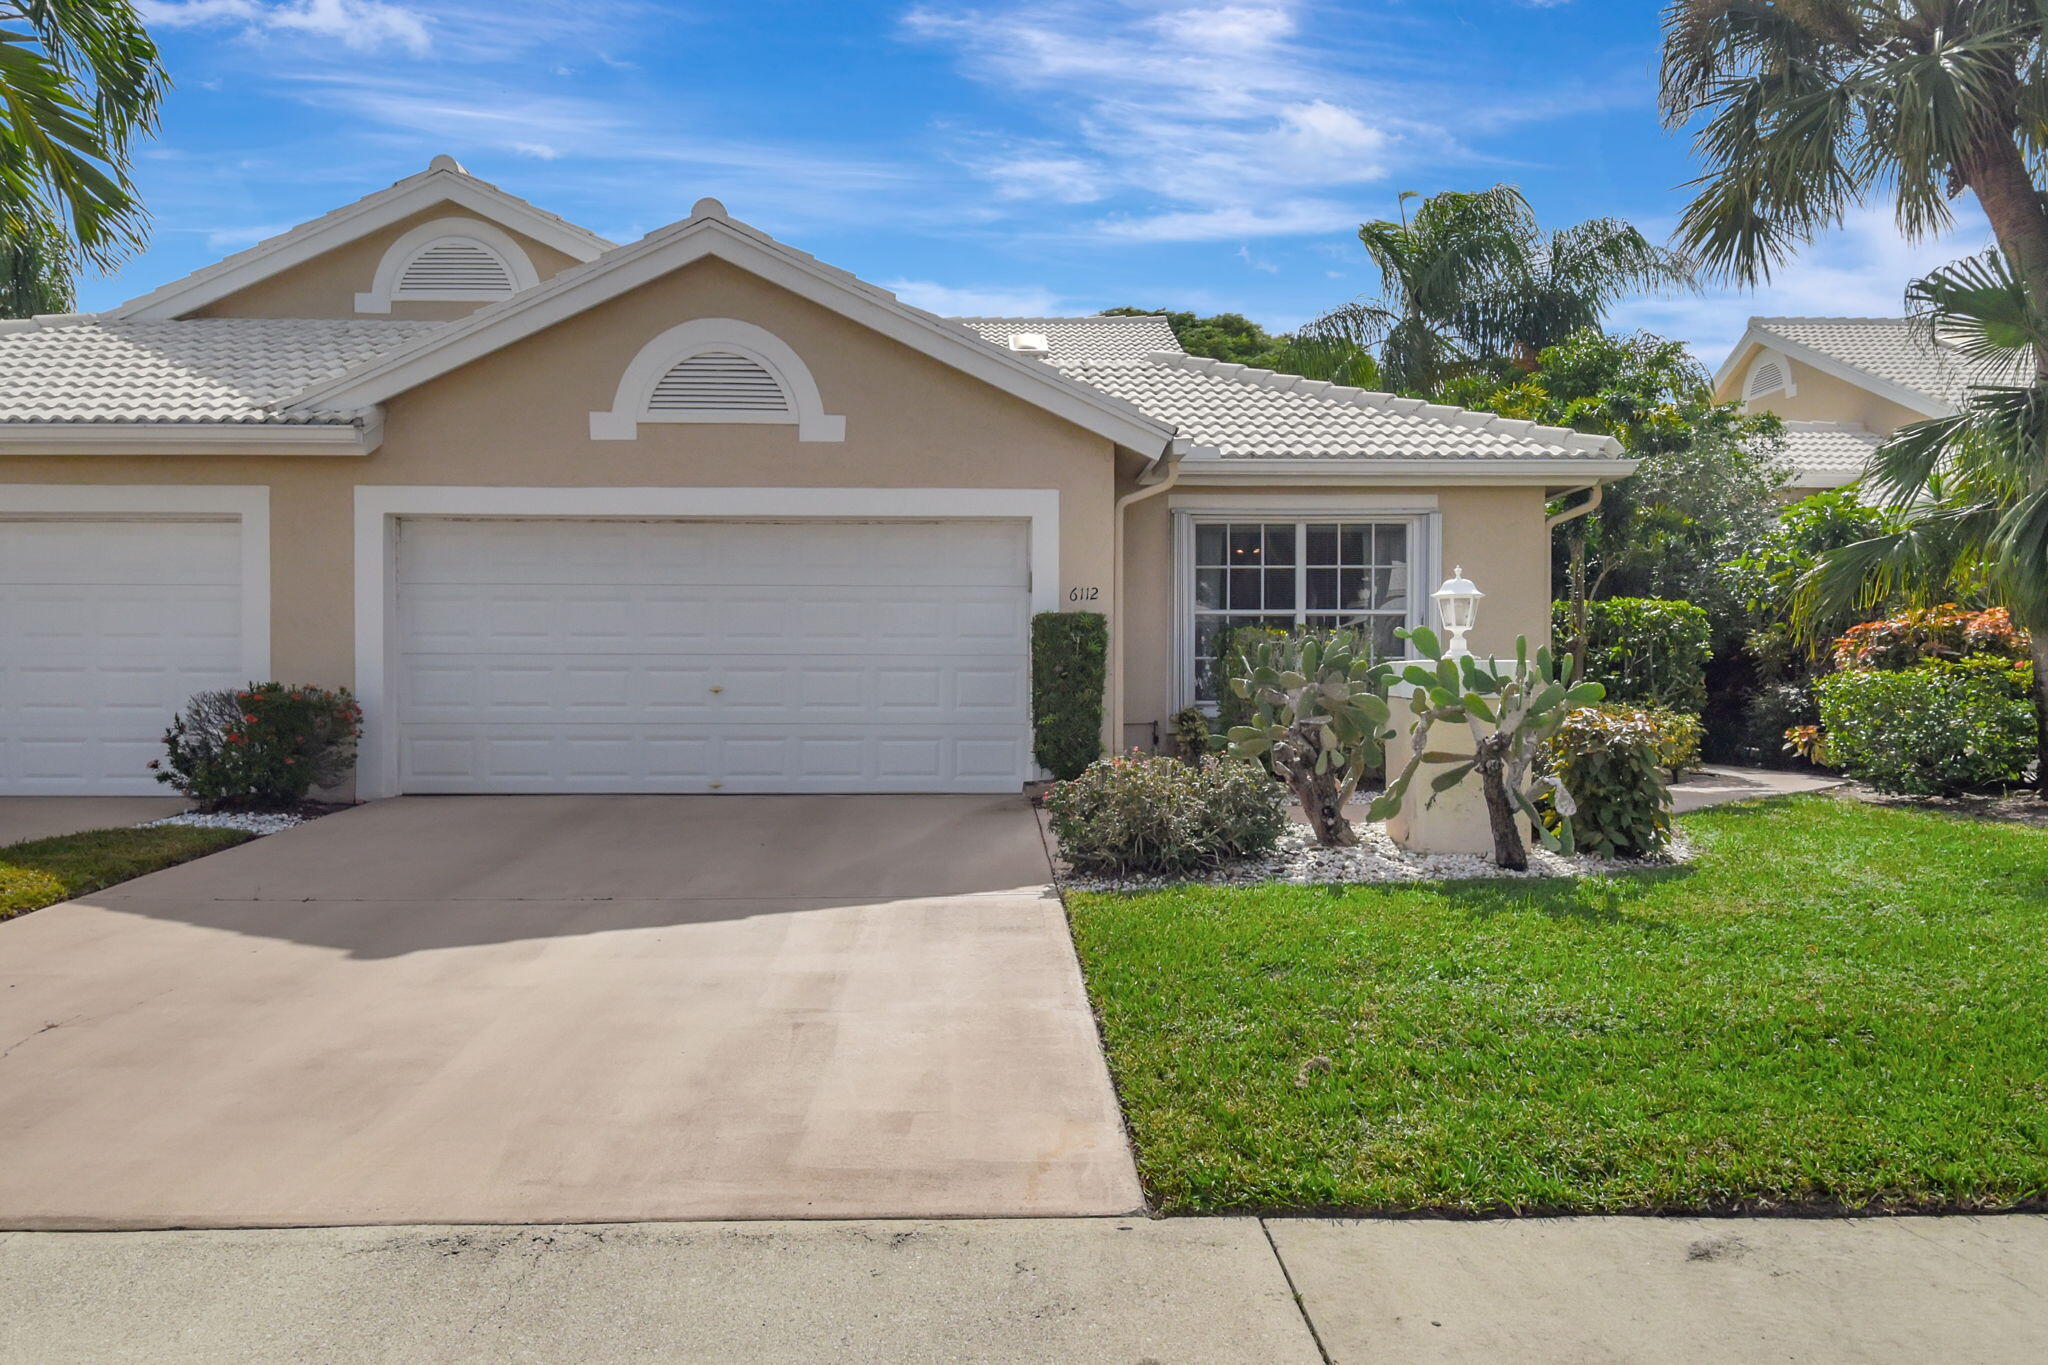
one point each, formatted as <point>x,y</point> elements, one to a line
<point>624,655</point>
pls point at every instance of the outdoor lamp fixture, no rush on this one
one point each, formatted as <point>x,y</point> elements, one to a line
<point>1457,606</point>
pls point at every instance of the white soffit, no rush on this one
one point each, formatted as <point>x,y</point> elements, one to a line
<point>443,182</point>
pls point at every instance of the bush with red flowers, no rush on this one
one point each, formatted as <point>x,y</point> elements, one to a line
<point>263,747</point>
<point>1944,632</point>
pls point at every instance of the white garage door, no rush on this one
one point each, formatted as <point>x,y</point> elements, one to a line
<point>672,656</point>
<point>106,628</point>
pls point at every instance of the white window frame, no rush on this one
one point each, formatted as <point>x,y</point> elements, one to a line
<point>384,290</point>
<point>1425,548</point>
<point>636,387</point>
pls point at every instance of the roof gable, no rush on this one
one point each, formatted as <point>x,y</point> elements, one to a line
<point>443,182</point>
<point>1883,356</point>
<point>708,232</point>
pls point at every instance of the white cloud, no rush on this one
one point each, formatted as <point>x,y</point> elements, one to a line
<point>360,25</point>
<point>998,301</point>
<point>1858,270</point>
<point>1208,120</point>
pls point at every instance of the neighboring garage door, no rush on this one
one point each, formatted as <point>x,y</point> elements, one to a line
<point>669,656</point>
<point>106,628</point>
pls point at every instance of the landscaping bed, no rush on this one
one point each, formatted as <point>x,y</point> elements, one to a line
<point>1835,1006</point>
<point>42,872</point>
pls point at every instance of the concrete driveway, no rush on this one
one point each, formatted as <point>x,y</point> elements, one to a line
<point>543,1009</point>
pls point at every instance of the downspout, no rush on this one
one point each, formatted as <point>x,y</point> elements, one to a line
<point>1155,478</point>
<point>1598,491</point>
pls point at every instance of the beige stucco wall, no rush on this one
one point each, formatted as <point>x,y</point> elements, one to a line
<point>1821,397</point>
<point>327,285</point>
<point>1496,533</point>
<point>521,417</point>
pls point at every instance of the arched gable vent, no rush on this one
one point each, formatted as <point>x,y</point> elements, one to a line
<point>717,370</point>
<point>718,381</point>
<point>1767,375</point>
<point>455,266</point>
<point>449,260</point>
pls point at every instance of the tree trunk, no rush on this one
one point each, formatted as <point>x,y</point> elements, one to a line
<point>1322,801</point>
<point>1508,849</point>
<point>1997,173</point>
<point>2039,638</point>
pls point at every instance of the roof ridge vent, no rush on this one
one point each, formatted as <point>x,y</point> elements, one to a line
<point>1036,345</point>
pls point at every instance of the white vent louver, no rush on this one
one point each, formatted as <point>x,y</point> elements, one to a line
<point>1768,378</point>
<point>718,381</point>
<point>454,267</point>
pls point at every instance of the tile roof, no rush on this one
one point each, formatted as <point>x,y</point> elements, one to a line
<point>1891,349</point>
<point>1119,340</point>
<point>192,370</point>
<point>1823,452</point>
<point>1242,413</point>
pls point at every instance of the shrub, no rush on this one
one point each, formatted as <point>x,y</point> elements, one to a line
<point>1319,717</point>
<point>1191,733</point>
<point>1609,758</point>
<point>1645,650</point>
<point>1931,730</point>
<point>262,748</point>
<point>1069,653</point>
<point>1944,632</point>
<point>1149,814</point>
<point>1678,739</point>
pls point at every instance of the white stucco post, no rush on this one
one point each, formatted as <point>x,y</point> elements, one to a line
<point>1453,821</point>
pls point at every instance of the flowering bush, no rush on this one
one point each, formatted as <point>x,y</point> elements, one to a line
<point>1150,814</point>
<point>1939,728</point>
<point>1679,736</point>
<point>1944,632</point>
<point>261,748</point>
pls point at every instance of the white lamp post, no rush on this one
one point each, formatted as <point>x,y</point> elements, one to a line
<point>1457,606</point>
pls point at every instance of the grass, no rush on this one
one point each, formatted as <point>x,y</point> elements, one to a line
<point>1835,1006</point>
<point>42,872</point>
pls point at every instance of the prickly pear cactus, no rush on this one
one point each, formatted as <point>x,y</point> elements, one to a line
<point>1319,717</point>
<point>1510,711</point>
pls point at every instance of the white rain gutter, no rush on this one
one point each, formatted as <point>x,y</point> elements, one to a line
<point>1151,483</point>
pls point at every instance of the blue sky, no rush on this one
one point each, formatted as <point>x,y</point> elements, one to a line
<point>1051,156</point>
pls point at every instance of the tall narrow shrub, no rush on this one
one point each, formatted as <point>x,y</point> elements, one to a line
<point>1069,658</point>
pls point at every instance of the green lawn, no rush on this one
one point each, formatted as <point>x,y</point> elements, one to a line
<point>44,871</point>
<point>1835,1005</point>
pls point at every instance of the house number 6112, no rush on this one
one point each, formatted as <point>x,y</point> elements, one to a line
<point>1083,594</point>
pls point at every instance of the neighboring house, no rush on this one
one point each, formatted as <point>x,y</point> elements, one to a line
<point>1841,385</point>
<point>694,513</point>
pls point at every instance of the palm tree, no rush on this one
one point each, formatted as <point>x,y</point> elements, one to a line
<point>1970,490</point>
<point>1473,278</point>
<point>80,80</point>
<point>1811,106</point>
<point>1814,106</point>
<point>1433,270</point>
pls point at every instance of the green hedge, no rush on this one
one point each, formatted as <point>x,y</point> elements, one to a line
<point>1069,659</point>
<point>1931,730</point>
<point>1644,649</point>
<point>1610,758</point>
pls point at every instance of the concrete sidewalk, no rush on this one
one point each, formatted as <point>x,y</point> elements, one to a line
<point>1081,1290</point>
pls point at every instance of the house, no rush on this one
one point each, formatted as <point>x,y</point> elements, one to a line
<point>693,513</point>
<point>1841,385</point>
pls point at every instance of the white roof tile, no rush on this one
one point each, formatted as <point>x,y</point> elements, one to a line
<point>1890,349</point>
<point>1827,449</point>
<point>191,370</point>
<point>1119,340</point>
<point>1242,413</point>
